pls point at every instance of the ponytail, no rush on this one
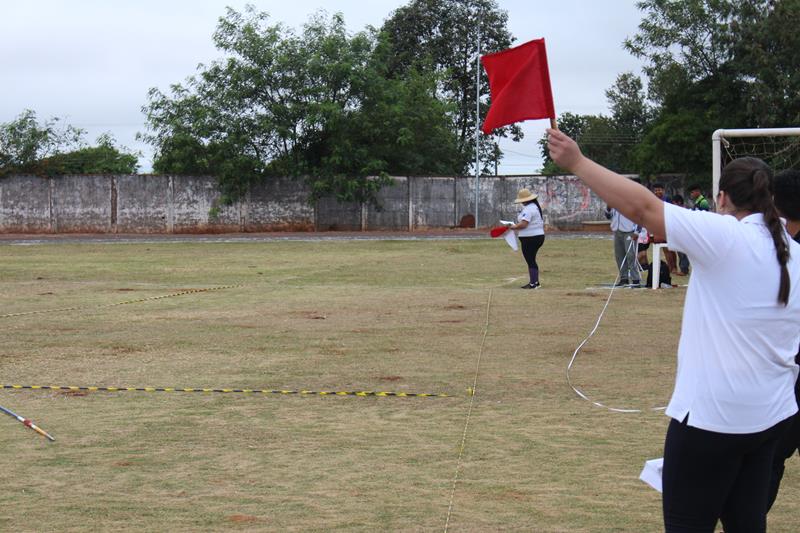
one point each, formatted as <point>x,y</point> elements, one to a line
<point>536,201</point>
<point>762,189</point>
<point>748,182</point>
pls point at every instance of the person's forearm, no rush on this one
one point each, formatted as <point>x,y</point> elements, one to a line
<point>629,198</point>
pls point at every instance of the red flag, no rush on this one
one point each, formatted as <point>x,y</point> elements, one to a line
<point>519,83</point>
<point>497,231</point>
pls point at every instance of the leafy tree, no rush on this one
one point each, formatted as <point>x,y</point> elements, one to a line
<point>317,105</point>
<point>442,35</point>
<point>715,64</point>
<point>766,55</point>
<point>627,101</point>
<point>24,142</point>
<point>49,149</point>
<point>105,158</point>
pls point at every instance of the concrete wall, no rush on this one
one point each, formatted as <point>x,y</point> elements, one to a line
<point>25,205</point>
<point>189,204</point>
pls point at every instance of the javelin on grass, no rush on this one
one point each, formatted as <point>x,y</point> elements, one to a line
<point>28,423</point>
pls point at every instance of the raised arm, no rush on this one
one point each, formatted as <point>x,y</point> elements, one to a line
<point>629,198</point>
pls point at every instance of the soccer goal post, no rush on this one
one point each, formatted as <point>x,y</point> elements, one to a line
<point>778,147</point>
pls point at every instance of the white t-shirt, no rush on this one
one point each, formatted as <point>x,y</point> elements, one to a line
<point>736,368</point>
<point>620,222</point>
<point>535,225</point>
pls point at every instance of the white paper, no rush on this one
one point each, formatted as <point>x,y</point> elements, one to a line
<point>651,473</point>
<point>506,222</point>
<point>511,239</point>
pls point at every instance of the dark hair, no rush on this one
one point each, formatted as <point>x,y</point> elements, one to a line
<point>748,183</point>
<point>786,189</point>
<point>536,201</point>
<point>694,188</point>
<point>677,199</point>
<point>658,186</point>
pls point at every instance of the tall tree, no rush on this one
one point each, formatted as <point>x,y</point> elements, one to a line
<point>701,76</point>
<point>442,35</point>
<point>630,116</point>
<point>317,105</point>
<point>766,54</point>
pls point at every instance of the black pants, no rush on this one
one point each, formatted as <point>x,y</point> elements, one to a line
<point>709,476</point>
<point>530,247</point>
<point>788,445</point>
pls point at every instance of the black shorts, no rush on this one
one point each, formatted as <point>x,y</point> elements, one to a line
<point>642,247</point>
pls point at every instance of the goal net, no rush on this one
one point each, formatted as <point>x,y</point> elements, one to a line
<point>778,147</point>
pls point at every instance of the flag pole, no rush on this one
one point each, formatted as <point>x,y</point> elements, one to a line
<point>477,122</point>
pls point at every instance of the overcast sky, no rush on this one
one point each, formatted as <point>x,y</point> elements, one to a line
<point>91,62</point>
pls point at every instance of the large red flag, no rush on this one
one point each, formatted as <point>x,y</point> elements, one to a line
<point>519,82</point>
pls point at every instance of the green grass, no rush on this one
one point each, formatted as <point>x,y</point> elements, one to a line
<point>405,316</point>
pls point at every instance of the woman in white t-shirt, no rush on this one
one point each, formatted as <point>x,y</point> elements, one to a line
<point>734,388</point>
<point>530,230</point>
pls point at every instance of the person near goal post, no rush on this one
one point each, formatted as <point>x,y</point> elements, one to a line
<point>734,387</point>
<point>787,200</point>
<point>626,233</point>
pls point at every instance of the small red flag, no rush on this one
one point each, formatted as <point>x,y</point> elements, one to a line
<point>519,82</point>
<point>498,231</point>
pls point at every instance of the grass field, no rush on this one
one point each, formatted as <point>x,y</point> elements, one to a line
<point>401,316</point>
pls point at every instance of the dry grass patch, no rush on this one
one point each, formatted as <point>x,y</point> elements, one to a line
<point>398,316</point>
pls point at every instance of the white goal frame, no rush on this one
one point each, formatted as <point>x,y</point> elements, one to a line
<point>719,135</point>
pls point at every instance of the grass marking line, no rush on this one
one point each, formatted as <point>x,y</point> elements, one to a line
<point>302,392</point>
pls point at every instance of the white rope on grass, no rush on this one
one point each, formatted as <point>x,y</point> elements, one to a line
<point>591,333</point>
<point>473,392</point>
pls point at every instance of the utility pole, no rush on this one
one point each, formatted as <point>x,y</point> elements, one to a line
<point>477,121</point>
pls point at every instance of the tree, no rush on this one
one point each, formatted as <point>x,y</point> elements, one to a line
<point>317,105</point>
<point>630,118</point>
<point>715,64</point>
<point>105,158</point>
<point>24,142</point>
<point>49,149</point>
<point>768,63</point>
<point>442,35</point>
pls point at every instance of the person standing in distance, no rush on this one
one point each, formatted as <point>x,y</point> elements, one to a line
<point>669,255</point>
<point>700,202</point>
<point>626,233</point>
<point>530,230</point>
<point>683,261</point>
<point>787,199</point>
<point>734,386</point>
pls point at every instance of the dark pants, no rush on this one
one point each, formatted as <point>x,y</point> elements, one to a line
<point>683,262</point>
<point>530,247</point>
<point>788,445</point>
<point>709,476</point>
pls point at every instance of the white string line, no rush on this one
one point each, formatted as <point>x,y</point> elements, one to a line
<point>594,329</point>
<point>469,413</point>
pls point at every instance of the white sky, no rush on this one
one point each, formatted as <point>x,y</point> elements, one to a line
<point>91,62</point>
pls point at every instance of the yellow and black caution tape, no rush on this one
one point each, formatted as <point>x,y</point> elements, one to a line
<point>127,302</point>
<point>301,392</point>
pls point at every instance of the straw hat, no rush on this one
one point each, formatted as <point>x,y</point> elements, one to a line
<point>524,195</point>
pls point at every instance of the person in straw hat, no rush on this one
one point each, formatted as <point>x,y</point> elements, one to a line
<point>530,230</point>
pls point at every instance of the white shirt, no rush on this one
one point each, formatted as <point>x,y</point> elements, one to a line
<point>620,222</point>
<point>535,225</point>
<point>736,369</point>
